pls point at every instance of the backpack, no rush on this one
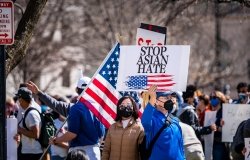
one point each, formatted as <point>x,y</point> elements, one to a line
<point>238,139</point>
<point>48,128</point>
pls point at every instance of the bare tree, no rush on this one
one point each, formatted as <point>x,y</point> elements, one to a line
<point>82,32</point>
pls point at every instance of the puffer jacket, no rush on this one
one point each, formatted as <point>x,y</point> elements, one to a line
<point>122,143</point>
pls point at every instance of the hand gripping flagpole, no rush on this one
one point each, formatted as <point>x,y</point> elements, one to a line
<point>57,132</point>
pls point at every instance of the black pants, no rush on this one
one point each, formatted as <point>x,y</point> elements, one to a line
<point>30,156</point>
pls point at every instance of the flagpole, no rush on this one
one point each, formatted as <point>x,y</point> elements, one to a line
<point>57,132</point>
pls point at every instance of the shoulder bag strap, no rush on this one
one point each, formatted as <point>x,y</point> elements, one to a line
<point>25,115</point>
<point>151,144</point>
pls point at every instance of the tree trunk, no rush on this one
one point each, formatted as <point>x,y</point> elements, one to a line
<point>23,35</point>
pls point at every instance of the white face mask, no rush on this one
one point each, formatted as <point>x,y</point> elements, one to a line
<point>174,108</point>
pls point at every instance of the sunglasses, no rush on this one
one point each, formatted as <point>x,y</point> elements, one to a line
<point>125,106</point>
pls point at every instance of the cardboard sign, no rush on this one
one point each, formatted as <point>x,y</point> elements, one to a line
<point>247,146</point>
<point>154,28</point>
<point>233,115</point>
<point>11,130</point>
<point>149,34</point>
<point>146,37</point>
<point>143,66</point>
<point>210,117</point>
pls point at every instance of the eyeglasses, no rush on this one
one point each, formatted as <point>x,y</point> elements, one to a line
<point>161,100</point>
<point>125,106</point>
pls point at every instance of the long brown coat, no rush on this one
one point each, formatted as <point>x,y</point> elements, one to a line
<point>122,143</point>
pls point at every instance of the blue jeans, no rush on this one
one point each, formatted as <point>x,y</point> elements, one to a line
<point>57,158</point>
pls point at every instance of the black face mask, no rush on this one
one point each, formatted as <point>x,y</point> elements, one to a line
<point>168,105</point>
<point>125,111</point>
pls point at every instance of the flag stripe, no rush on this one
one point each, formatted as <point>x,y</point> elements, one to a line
<point>102,103</point>
<point>159,80</point>
<point>162,89</point>
<point>161,85</point>
<point>105,91</point>
<point>107,85</point>
<point>97,107</point>
<point>159,75</point>
<point>98,114</point>
<point>104,97</point>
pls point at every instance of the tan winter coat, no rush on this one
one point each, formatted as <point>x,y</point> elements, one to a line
<point>122,143</point>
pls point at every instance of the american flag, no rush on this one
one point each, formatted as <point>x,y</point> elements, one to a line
<point>164,82</point>
<point>101,96</point>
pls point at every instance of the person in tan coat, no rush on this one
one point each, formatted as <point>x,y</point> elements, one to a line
<point>125,135</point>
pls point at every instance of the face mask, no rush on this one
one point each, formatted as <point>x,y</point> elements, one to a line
<point>242,97</point>
<point>125,111</point>
<point>174,108</point>
<point>169,105</point>
<point>214,102</point>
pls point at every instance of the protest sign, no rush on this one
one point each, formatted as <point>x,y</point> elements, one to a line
<point>143,66</point>
<point>154,28</point>
<point>247,146</point>
<point>11,130</point>
<point>147,37</point>
<point>233,115</point>
<point>210,117</point>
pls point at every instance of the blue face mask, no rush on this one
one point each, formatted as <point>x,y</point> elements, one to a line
<point>214,102</point>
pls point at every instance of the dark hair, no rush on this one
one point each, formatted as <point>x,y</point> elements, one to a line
<point>27,100</point>
<point>22,85</point>
<point>79,90</point>
<point>248,88</point>
<point>187,94</point>
<point>241,85</point>
<point>191,88</point>
<point>77,154</point>
<point>135,113</point>
<point>205,99</point>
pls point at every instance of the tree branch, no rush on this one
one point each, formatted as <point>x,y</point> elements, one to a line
<point>24,32</point>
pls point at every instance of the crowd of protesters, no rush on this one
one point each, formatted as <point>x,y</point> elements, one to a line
<point>175,118</point>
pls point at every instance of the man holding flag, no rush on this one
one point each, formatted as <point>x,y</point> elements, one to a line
<point>84,129</point>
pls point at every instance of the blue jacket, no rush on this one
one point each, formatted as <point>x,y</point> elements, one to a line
<point>85,125</point>
<point>169,145</point>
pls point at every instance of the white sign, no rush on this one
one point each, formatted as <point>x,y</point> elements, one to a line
<point>210,117</point>
<point>6,23</point>
<point>143,66</point>
<point>233,115</point>
<point>11,143</point>
<point>146,37</point>
<point>247,146</point>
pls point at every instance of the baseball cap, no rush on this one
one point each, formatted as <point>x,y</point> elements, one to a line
<point>24,93</point>
<point>162,94</point>
<point>82,82</point>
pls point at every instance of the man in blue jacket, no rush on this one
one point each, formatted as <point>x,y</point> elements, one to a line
<point>169,145</point>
